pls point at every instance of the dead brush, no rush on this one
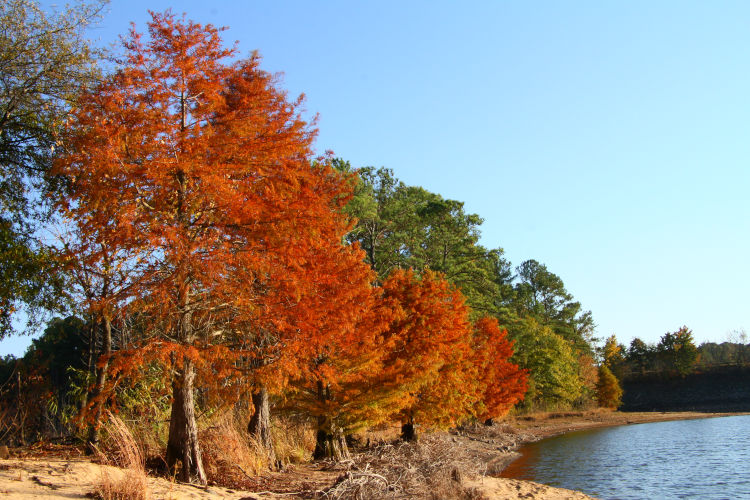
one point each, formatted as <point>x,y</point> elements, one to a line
<point>123,452</point>
<point>502,435</point>
<point>433,468</point>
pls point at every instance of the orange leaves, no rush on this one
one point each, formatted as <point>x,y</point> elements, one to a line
<point>439,367</point>
<point>425,362</point>
<point>199,170</point>
<point>427,344</point>
<point>432,320</point>
<point>502,383</point>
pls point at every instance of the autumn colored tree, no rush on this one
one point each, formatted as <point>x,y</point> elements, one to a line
<point>101,278</point>
<point>608,391</point>
<point>613,356</point>
<point>206,161</point>
<point>408,358</point>
<point>333,365</point>
<point>503,382</point>
<point>588,375</point>
<point>428,363</point>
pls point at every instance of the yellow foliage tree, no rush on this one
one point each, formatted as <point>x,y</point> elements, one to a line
<point>608,390</point>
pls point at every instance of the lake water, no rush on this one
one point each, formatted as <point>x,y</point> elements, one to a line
<point>705,459</point>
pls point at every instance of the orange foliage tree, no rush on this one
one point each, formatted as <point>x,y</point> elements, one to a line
<point>502,383</point>
<point>319,371</point>
<point>608,390</point>
<point>207,161</point>
<point>437,368</point>
<point>339,385</point>
<point>409,358</point>
<point>428,346</point>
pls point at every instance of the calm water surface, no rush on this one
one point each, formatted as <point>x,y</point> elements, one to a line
<point>706,459</point>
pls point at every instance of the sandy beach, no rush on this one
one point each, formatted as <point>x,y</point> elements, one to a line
<point>32,479</point>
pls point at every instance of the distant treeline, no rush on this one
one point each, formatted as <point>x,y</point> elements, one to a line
<point>715,388</point>
<point>675,355</point>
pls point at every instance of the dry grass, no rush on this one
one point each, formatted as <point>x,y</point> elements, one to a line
<point>121,451</point>
<point>228,451</point>
<point>293,440</point>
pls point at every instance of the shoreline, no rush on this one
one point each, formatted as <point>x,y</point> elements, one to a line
<point>551,424</point>
<point>500,444</point>
<point>484,451</point>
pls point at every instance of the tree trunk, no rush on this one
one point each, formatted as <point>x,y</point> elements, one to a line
<point>330,441</point>
<point>183,442</point>
<point>260,423</point>
<point>19,401</point>
<point>101,378</point>
<point>408,433</point>
<point>90,362</point>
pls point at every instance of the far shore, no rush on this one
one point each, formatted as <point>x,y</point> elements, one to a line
<point>544,425</point>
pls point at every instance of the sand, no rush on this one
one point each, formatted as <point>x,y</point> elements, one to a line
<point>500,488</point>
<point>31,479</point>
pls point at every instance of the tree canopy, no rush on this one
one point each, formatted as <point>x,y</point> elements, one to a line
<point>408,227</point>
<point>45,60</point>
<point>208,250</point>
<point>202,170</point>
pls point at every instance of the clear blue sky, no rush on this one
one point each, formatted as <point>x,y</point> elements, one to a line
<point>609,141</point>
